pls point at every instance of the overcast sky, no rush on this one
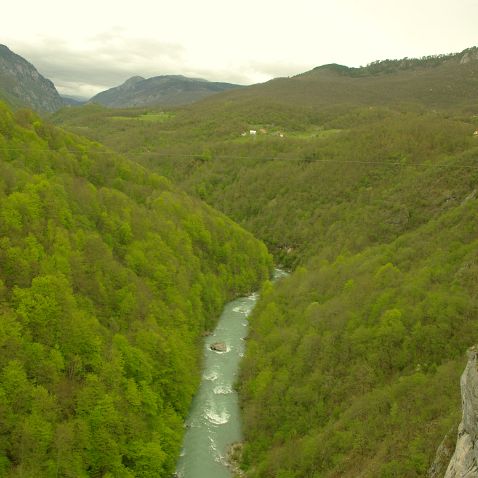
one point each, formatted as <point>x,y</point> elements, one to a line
<point>88,46</point>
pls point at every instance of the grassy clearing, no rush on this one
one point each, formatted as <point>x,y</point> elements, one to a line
<point>314,132</point>
<point>160,117</point>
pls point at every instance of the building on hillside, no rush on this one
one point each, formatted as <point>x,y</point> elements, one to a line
<point>252,132</point>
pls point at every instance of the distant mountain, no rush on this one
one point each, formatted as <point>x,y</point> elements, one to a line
<point>21,85</point>
<point>166,90</point>
<point>394,66</point>
<point>73,100</point>
<point>438,81</point>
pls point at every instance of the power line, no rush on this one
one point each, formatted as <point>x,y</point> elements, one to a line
<point>219,157</point>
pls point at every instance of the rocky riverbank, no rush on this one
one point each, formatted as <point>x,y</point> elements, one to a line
<point>234,458</point>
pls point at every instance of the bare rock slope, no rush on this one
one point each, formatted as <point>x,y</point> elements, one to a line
<point>21,85</point>
<point>464,462</point>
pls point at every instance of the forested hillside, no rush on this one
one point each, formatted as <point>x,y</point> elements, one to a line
<point>353,364</point>
<point>109,276</point>
<point>336,180</point>
<point>440,81</point>
<point>365,182</point>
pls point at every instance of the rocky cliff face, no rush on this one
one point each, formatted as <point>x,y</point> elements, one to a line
<point>443,455</point>
<point>469,55</point>
<point>22,86</point>
<point>464,462</point>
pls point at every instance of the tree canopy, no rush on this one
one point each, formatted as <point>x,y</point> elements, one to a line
<point>109,276</point>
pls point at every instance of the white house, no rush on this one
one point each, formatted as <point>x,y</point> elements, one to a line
<point>252,132</point>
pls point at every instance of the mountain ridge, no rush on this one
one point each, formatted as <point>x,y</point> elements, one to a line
<point>393,65</point>
<point>163,90</point>
<point>22,85</point>
<point>435,81</point>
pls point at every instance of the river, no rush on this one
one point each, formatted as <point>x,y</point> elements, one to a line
<point>214,422</point>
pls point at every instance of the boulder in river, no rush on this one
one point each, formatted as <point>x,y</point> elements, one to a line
<point>218,347</point>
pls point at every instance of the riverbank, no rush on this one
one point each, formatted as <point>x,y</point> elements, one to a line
<point>214,422</point>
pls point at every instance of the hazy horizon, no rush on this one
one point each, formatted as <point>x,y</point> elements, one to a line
<point>104,44</point>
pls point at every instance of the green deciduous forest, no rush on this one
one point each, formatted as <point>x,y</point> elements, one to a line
<point>109,277</point>
<point>364,183</point>
<point>353,364</point>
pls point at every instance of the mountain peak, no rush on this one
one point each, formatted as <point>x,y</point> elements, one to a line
<point>133,80</point>
<point>164,90</point>
<point>333,67</point>
<point>5,48</point>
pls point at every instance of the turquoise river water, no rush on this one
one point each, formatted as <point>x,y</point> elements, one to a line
<point>214,422</point>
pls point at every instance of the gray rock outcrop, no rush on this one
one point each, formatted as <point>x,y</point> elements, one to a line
<point>443,455</point>
<point>469,55</point>
<point>464,462</point>
<point>21,85</point>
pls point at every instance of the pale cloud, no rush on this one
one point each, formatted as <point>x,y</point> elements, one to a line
<point>104,60</point>
<point>245,42</point>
